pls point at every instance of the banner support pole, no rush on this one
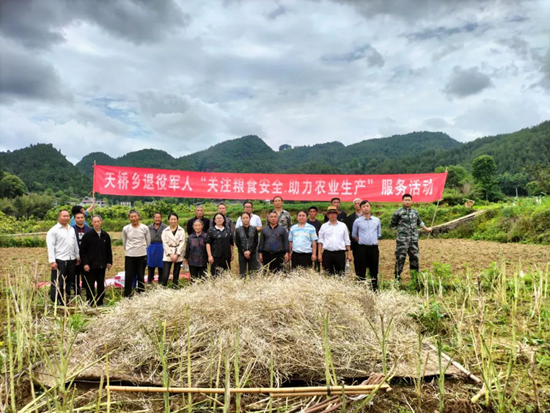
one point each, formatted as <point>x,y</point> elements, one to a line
<point>437,206</point>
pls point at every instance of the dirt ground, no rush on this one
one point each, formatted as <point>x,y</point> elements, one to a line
<point>459,254</point>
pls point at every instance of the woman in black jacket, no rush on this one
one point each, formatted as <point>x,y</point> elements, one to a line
<point>219,245</point>
<point>246,239</point>
<point>96,256</point>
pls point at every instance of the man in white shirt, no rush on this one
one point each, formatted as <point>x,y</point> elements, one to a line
<point>334,243</point>
<point>63,256</point>
<point>255,220</point>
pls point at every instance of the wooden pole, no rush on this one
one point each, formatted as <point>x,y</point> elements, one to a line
<point>274,391</point>
<point>457,365</point>
<point>436,207</point>
<point>93,188</point>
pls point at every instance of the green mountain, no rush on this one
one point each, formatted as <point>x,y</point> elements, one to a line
<point>512,153</point>
<point>42,166</point>
<point>86,164</point>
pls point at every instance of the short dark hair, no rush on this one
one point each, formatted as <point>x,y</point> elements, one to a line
<point>134,211</point>
<point>246,213</point>
<point>76,209</point>
<point>312,207</point>
<point>407,196</point>
<point>222,203</point>
<point>173,214</point>
<point>62,210</point>
<point>248,202</point>
<point>272,212</point>
<point>301,210</point>
<point>278,196</point>
<point>158,213</point>
<point>79,213</point>
<point>334,199</point>
<point>222,215</point>
<point>364,202</point>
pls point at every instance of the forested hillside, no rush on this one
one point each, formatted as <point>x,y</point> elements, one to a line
<point>42,166</point>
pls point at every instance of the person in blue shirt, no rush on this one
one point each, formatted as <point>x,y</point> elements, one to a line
<point>302,242</point>
<point>80,208</point>
<point>366,231</point>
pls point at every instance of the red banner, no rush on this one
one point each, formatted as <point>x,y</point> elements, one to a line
<point>115,180</point>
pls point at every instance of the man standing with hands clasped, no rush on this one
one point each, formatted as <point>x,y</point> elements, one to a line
<point>97,256</point>
<point>273,249</point>
<point>366,231</point>
<point>333,243</point>
<point>63,256</point>
<point>405,221</point>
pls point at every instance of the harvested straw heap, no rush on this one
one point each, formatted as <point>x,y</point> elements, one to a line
<point>271,325</point>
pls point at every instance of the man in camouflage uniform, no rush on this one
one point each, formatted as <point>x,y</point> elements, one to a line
<point>405,221</point>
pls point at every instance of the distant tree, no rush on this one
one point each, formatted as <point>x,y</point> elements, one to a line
<point>284,147</point>
<point>484,169</point>
<point>11,186</point>
<point>540,180</point>
<point>457,176</point>
<point>32,205</point>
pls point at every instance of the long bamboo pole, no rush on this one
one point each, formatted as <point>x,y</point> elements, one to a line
<point>318,390</point>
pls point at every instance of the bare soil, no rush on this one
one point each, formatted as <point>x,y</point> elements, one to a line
<point>459,254</point>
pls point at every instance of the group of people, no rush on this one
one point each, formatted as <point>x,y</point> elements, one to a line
<point>80,251</point>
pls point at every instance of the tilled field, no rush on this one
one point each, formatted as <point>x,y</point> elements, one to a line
<point>458,254</point>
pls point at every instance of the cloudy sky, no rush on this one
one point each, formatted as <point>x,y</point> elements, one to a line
<point>182,75</point>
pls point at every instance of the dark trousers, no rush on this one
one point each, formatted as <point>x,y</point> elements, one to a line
<point>247,265</point>
<point>151,274</point>
<point>74,284</point>
<point>164,274</point>
<point>134,266</point>
<point>334,262</point>
<point>367,257</point>
<point>300,259</point>
<point>220,264</point>
<point>90,279</point>
<point>275,261</point>
<point>353,248</point>
<point>197,272</point>
<point>59,290</point>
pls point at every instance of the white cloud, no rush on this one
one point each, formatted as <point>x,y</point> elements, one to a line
<point>200,72</point>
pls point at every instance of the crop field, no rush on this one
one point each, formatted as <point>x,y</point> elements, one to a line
<point>485,304</point>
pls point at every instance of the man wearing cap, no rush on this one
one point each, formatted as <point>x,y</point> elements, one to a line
<point>334,243</point>
<point>366,232</point>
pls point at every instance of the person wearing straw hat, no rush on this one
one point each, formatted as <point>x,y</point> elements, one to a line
<point>334,243</point>
<point>366,232</point>
<point>406,221</point>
